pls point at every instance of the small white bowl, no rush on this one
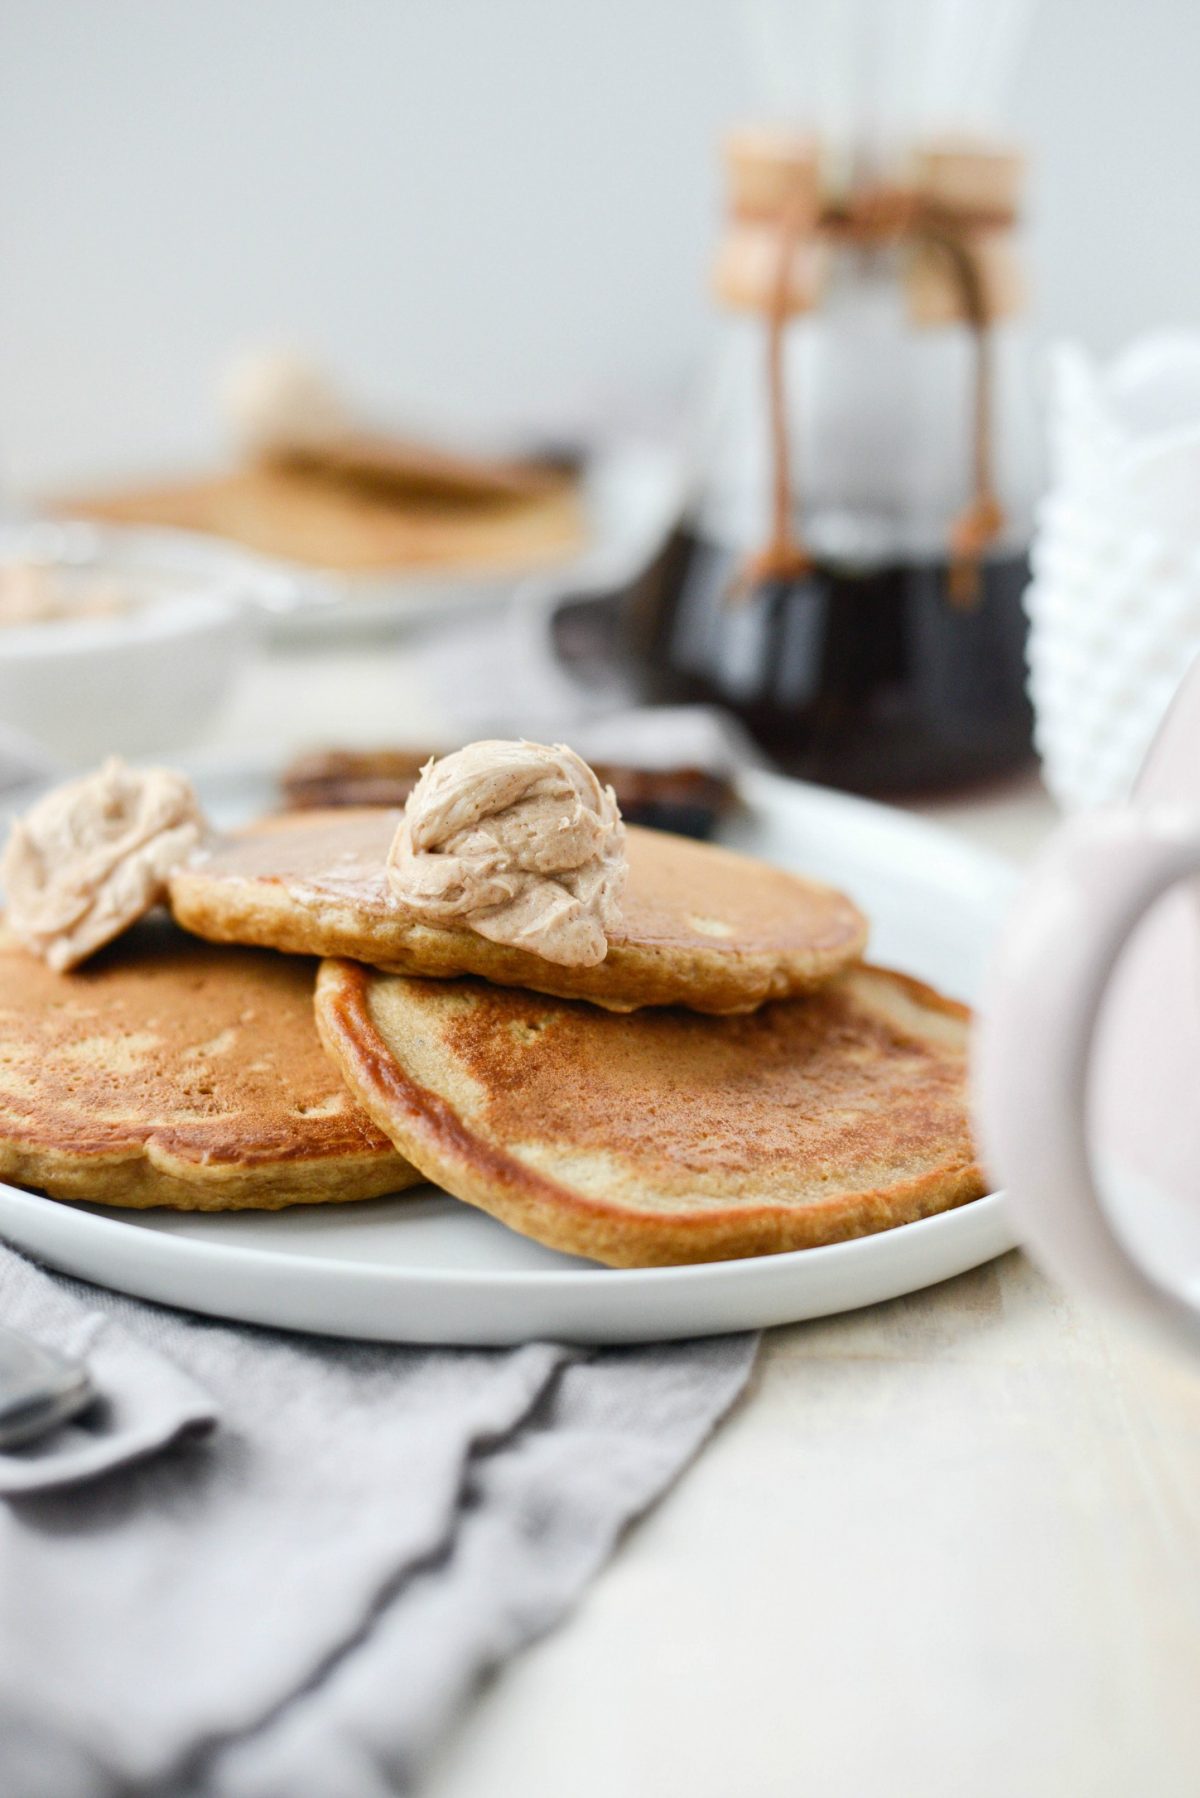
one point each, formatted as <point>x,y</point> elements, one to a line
<point>139,681</point>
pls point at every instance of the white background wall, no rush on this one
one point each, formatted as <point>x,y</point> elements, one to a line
<point>483,211</point>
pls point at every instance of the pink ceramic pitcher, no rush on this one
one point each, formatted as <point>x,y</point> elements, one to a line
<point>1087,1066</point>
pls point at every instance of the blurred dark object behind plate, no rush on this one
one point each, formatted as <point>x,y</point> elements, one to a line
<point>869,679</point>
<point>688,801</point>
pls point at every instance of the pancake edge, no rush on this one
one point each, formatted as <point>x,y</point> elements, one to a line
<point>430,1134</point>
<point>139,1176</point>
<point>721,983</point>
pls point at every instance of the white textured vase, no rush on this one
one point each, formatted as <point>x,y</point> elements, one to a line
<point>1114,605</point>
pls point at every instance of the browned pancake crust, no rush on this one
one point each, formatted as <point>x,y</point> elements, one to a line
<point>701,926</point>
<point>166,1072</point>
<point>667,1137</point>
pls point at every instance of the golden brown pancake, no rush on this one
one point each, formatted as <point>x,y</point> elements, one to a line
<point>667,1137</point>
<point>701,926</point>
<point>166,1072</point>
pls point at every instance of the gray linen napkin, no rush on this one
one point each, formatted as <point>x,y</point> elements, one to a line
<point>296,1602</point>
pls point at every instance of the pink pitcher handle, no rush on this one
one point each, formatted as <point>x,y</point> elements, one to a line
<point>1033,1050</point>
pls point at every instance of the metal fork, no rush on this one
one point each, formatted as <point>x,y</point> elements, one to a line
<point>39,1388</point>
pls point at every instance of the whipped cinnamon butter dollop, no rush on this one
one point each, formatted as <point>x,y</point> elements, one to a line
<point>38,593</point>
<point>518,842</point>
<point>94,856</point>
<point>276,402</point>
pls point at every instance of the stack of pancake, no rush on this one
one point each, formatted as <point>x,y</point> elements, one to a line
<point>730,1080</point>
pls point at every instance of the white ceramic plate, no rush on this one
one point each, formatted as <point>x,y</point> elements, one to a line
<point>424,1268</point>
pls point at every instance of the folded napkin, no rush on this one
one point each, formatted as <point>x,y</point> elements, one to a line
<point>316,1548</point>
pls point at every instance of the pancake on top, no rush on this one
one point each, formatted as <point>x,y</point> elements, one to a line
<point>510,863</point>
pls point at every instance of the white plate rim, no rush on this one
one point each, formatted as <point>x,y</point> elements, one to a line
<point>518,1280</point>
<point>317,1295</point>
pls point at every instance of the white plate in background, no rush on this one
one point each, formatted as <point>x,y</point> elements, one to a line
<point>632,494</point>
<point>424,1268</point>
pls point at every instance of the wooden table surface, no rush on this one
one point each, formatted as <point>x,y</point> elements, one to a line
<point>948,1547</point>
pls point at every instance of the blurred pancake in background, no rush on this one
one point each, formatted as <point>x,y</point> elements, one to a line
<point>317,485</point>
<point>307,516</point>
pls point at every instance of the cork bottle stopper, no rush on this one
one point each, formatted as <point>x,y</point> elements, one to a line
<point>970,177</point>
<point>977,183</point>
<point>767,170</point>
<point>772,178</point>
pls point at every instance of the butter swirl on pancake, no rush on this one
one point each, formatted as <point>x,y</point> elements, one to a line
<point>94,855</point>
<point>518,842</point>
